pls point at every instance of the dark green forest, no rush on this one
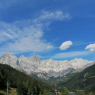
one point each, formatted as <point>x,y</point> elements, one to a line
<point>84,80</point>
<point>25,84</point>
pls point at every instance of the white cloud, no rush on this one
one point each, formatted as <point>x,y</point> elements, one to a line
<point>49,47</point>
<point>65,45</point>
<point>71,54</point>
<point>47,15</point>
<point>58,15</point>
<point>25,39</point>
<point>91,47</point>
<point>23,36</point>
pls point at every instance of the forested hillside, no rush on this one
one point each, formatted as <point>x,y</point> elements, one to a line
<point>24,83</point>
<point>55,82</point>
<point>84,80</point>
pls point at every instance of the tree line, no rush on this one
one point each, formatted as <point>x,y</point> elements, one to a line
<point>25,84</point>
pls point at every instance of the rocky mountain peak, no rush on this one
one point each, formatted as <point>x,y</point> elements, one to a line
<point>7,54</point>
<point>51,60</point>
<point>35,58</point>
<point>22,56</point>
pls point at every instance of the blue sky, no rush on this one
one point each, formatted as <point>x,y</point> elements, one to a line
<point>57,29</point>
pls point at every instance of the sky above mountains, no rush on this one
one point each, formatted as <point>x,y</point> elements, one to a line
<point>57,29</point>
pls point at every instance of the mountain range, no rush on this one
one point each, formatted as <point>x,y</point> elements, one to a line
<point>44,68</point>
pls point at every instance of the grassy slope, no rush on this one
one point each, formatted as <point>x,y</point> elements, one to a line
<point>12,91</point>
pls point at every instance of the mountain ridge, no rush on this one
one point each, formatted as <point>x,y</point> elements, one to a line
<point>49,67</point>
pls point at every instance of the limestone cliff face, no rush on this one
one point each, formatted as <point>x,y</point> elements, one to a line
<point>50,66</point>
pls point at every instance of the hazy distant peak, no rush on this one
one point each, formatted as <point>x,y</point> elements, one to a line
<point>65,60</point>
<point>51,60</point>
<point>79,59</point>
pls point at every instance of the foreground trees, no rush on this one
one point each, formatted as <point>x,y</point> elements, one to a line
<point>64,91</point>
<point>25,84</point>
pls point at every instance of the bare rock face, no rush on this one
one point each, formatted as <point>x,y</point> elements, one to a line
<point>9,59</point>
<point>50,67</point>
<point>35,59</point>
<point>43,76</point>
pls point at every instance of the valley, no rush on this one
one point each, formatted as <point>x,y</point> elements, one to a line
<point>25,73</point>
<point>47,47</point>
